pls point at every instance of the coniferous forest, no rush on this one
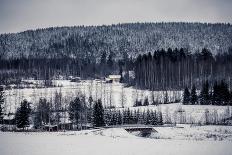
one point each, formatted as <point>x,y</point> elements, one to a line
<point>178,68</point>
<point>96,51</point>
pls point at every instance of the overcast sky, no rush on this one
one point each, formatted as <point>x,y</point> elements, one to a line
<point>20,15</point>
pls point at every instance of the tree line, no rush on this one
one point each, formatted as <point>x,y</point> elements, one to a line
<point>177,68</point>
<point>79,114</point>
<point>13,70</point>
<point>217,94</point>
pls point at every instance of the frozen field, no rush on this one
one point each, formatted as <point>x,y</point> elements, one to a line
<point>110,142</point>
<point>112,94</point>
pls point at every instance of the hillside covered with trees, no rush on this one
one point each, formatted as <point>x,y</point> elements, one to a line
<point>133,39</point>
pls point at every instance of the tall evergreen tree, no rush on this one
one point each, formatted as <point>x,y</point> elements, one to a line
<point>22,114</point>
<point>1,104</point>
<point>148,117</point>
<point>75,109</point>
<point>98,114</point>
<point>119,118</point>
<point>42,113</point>
<point>154,119</point>
<point>193,97</point>
<point>146,102</point>
<point>160,118</point>
<point>186,96</point>
<point>204,95</point>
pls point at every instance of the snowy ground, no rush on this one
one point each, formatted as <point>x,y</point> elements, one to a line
<point>188,132</point>
<point>113,93</point>
<point>108,141</point>
<point>108,92</point>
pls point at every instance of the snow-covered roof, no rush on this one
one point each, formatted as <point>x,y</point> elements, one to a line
<point>114,76</point>
<point>8,117</point>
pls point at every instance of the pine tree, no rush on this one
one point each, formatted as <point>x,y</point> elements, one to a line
<point>22,114</point>
<point>148,117</point>
<point>146,102</point>
<point>98,114</point>
<point>154,118</point>
<point>137,103</point>
<point>137,116</point>
<point>204,95</point>
<point>166,97</point>
<point>126,116</point>
<point>90,109</point>
<point>119,118</point>
<point>225,93</point>
<point>113,119</point>
<point>207,117</point>
<point>186,96</point>
<point>110,62</point>
<point>1,104</point>
<point>107,117</point>
<point>90,100</point>
<point>221,94</point>
<point>160,118</point>
<point>193,98</point>
<point>58,106</point>
<point>75,110</point>
<point>42,114</point>
<point>216,94</point>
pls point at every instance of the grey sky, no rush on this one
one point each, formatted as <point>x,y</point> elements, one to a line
<point>20,15</point>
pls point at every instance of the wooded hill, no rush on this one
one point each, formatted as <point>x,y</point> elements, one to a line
<point>133,39</point>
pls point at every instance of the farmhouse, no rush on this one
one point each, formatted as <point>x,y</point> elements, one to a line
<point>113,78</point>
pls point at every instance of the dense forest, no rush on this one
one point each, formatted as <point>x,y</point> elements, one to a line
<point>176,54</point>
<point>178,68</point>
<point>134,39</point>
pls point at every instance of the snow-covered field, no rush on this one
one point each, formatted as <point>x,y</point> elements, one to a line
<point>114,141</point>
<point>112,93</point>
<point>108,92</point>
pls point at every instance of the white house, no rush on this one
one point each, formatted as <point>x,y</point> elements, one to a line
<point>113,78</point>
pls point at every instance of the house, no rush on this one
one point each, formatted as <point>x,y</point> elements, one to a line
<point>9,119</point>
<point>75,79</point>
<point>8,122</point>
<point>113,79</point>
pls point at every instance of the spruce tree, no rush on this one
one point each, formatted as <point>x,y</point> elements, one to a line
<point>74,110</point>
<point>154,118</point>
<point>204,95</point>
<point>137,103</point>
<point>186,96</point>
<point>160,118</point>
<point>193,97</point>
<point>42,114</point>
<point>221,94</point>
<point>224,93</point>
<point>119,118</point>
<point>148,117</point>
<point>146,102</point>
<point>22,114</point>
<point>1,104</point>
<point>216,94</point>
<point>98,114</point>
